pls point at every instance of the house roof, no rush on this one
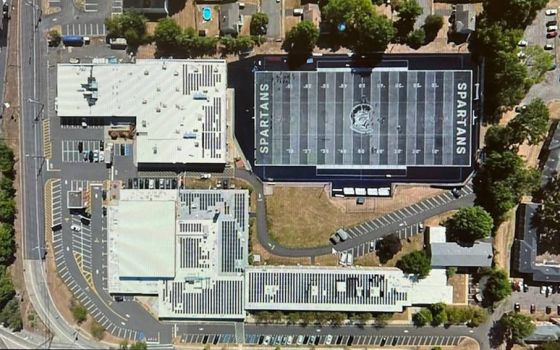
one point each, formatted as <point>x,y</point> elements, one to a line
<point>229,18</point>
<point>552,165</point>
<point>465,18</point>
<point>437,234</point>
<point>452,254</point>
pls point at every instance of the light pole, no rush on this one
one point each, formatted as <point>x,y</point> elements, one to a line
<point>30,100</point>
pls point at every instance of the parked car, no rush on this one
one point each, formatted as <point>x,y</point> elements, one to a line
<point>311,340</point>
<point>517,307</point>
<point>266,340</point>
<point>551,23</point>
<point>525,287</point>
<point>118,298</point>
<point>328,339</point>
<point>547,309</point>
<point>75,228</point>
<point>520,108</point>
<point>456,192</point>
<point>205,176</point>
<point>551,28</point>
<point>522,43</point>
<point>550,35</point>
<point>550,12</point>
<point>104,211</point>
<point>533,308</point>
<point>549,47</point>
<point>300,338</point>
<point>290,340</point>
<point>543,289</point>
<point>151,184</point>
<point>521,55</point>
<point>558,309</point>
<point>90,156</point>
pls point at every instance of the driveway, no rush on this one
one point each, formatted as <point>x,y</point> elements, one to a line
<point>274,11</point>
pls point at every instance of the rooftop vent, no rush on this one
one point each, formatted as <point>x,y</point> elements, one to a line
<point>175,73</point>
<point>143,123</point>
<point>146,72</point>
<point>155,149</point>
<point>144,101</point>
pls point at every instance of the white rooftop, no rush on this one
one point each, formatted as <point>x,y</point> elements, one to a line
<point>141,233</point>
<point>179,105</point>
<point>437,234</point>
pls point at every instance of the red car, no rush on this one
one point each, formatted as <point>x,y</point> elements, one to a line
<point>551,34</point>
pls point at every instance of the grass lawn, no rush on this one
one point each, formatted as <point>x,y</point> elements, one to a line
<point>371,259</point>
<point>304,217</point>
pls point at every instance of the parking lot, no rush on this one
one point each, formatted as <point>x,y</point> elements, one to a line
<point>153,183</point>
<point>343,340</point>
<point>408,228</point>
<point>85,29</point>
<point>535,297</point>
<point>71,152</point>
<point>91,5</point>
<point>536,33</point>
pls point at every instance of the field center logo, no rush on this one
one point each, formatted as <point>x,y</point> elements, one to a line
<point>362,118</point>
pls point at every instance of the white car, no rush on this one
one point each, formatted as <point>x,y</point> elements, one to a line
<point>551,12</point>
<point>551,28</point>
<point>328,339</point>
<point>543,289</point>
<point>300,339</point>
<point>205,176</point>
<point>522,43</point>
<point>521,54</point>
<point>549,47</point>
<point>151,184</point>
<point>290,340</point>
<point>266,340</point>
<point>76,228</point>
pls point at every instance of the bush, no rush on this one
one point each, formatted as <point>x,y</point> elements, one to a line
<point>439,315</point>
<point>432,25</point>
<point>7,160</point>
<point>97,331</point>
<point>497,286</point>
<point>139,345</point>
<point>416,38</point>
<point>7,291</point>
<point>78,312</point>
<point>470,224</point>
<point>54,38</point>
<point>258,24</point>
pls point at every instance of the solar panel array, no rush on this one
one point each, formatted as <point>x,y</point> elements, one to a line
<point>212,250</point>
<point>282,288</point>
<point>383,119</point>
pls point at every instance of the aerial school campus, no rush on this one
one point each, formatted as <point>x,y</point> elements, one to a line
<point>210,188</point>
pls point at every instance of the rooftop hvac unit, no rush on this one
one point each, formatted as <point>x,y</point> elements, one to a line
<point>163,66</point>
<point>177,130</point>
<point>158,109</point>
<point>158,89</point>
<point>143,123</point>
<point>177,88</point>
<point>144,101</point>
<point>146,72</point>
<point>155,149</point>
<point>175,73</point>
<point>179,148</point>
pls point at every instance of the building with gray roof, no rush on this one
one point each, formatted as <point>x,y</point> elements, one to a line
<point>229,18</point>
<point>453,254</point>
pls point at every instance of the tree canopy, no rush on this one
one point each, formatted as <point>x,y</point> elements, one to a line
<point>416,38</point>
<point>7,291</point>
<point>516,326</point>
<point>6,159</point>
<point>548,216</point>
<point>10,315</point>
<point>513,13</point>
<point>408,11</point>
<point>469,224</point>
<point>302,38</point>
<point>364,30</point>
<point>167,33</point>
<point>497,286</point>
<point>387,247</point>
<point>7,243</point>
<point>259,22</point>
<point>417,262</point>
<point>539,62</point>
<point>531,124</point>
<point>422,317</point>
<point>501,182</point>
<point>130,25</point>
<point>432,25</point>
<point>439,314</point>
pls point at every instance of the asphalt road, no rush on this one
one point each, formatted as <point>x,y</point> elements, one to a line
<point>273,9</point>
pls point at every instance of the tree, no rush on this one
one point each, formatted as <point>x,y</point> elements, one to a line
<point>7,186</point>
<point>432,25</point>
<point>497,286</point>
<point>97,330</point>
<point>78,312</point>
<point>362,317</point>
<point>387,247</point>
<point>551,345</point>
<point>167,34</point>
<point>7,209</point>
<point>293,317</point>
<point>302,38</point>
<point>7,291</point>
<point>242,43</point>
<point>307,317</point>
<point>6,159</point>
<point>10,315</point>
<point>262,316</point>
<point>259,21</point>
<point>417,262</point>
<point>516,326</point>
<point>416,38</point>
<point>439,314</point>
<point>277,316</point>
<point>54,38</point>
<point>539,62</point>
<point>130,25</point>
<point>469,224</point>
<point>7,243</point>
<point>139,345</point>
<point>337,318</point>
<point>479,316</point>
<point>531,124</point>
<point>409,10</point>
<point>513,13</point>
<point>382,319</point>
<point>501,182</point>
<point>548,216</point>
<point>422,317</point>
<point>355,25</point>
<point>498,139</point>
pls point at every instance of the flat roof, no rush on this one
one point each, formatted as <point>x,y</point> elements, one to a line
<point>308,288</point>
<point>354,118</point>
<point>179,105</point>
<point>452,254</point>
<point>141,233</point>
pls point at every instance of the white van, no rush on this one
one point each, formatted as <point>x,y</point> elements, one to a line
<point>551,12</point>
<point>298,12</point>
<point>551,28</point>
